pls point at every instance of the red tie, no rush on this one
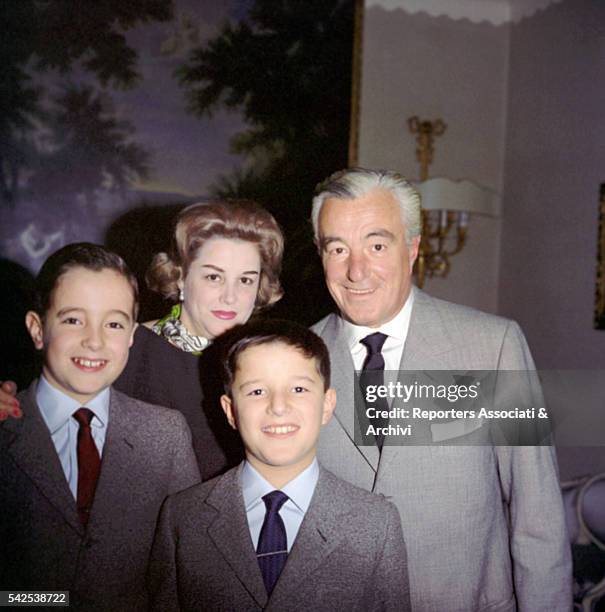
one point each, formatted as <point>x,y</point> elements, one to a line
<point>89,464</point>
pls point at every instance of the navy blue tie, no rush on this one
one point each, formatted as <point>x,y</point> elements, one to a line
<point>374,359</point>
<point>373,374</point>
<point>272,549</point>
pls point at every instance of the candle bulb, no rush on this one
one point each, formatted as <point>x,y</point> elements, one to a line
<point>443,219</point>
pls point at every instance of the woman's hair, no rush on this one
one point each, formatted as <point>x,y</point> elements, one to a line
<point>231,219</point>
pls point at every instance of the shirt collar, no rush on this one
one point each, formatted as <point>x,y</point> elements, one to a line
<point>397,327</point>
<point>57,407</point>
<point>300,490</point>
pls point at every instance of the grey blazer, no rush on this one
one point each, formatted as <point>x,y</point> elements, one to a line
<point>349,553</point>
<point>147,455</point>
<point>484,525</point>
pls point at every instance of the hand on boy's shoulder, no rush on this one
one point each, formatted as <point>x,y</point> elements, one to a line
<point>21,399</point>
<point>9,404</point>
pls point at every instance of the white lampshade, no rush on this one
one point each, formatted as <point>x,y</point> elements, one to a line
<point>464,196</point>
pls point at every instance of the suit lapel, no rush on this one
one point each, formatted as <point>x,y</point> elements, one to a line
<point>428,336</point>
<point>343,378</point>
<point>427,343</point>
<point>320,533</point>
<point>120,446</point>
<point>34,452</point>
<point>231,535</point>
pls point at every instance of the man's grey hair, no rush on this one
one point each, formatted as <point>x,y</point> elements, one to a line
<point>355,183</point>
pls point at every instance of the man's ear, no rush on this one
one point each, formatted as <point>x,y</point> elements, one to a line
<point>413,251</point>
<point>35,327</point>
<point>229,410</point>
<point>329,406</point>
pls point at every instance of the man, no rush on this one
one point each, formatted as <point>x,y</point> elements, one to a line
<point>484,525</point>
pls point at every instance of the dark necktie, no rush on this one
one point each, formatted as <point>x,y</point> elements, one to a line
<point>373,374</point>
<point>272,549</point>
<point>89,464</point>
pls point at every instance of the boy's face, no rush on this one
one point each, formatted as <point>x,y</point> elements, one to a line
<point>86,333</point>
<point>278,405</point>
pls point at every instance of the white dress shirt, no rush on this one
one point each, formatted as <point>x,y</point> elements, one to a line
<point>57,410</point>
<point>396,331</point>
<point>299,492</point>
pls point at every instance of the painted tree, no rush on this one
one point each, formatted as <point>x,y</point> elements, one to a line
<point>42,35</point>
<point>287,67</point>
<point>89,150</point>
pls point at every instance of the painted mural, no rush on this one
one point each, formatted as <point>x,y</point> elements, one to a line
<point>114,114</point>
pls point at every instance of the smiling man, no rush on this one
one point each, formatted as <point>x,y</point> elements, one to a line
<point>367,257</point>
<point>484,525</point>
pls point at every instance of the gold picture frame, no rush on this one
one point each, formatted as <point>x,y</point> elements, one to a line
<point>353,155</point>
<point>599,313</point>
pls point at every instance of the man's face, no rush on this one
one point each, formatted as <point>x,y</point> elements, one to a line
<point>278,404</point>
<point>367,262</point>
<point>86,333</point>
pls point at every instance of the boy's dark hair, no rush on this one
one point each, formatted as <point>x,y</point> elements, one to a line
<point>266,331</point>
<point>79,255</point>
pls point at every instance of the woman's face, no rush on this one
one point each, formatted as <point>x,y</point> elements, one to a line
<point>221,286</point>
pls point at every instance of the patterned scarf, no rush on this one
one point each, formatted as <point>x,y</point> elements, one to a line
<point>172,328</point>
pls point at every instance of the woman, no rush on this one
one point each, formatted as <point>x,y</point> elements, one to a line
<point>224,264</point>
<point>222,267</point>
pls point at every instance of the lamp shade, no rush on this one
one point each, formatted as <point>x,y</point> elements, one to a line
<point>464,196</point>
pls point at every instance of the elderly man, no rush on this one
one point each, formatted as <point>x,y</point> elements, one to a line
<point>484,525</point>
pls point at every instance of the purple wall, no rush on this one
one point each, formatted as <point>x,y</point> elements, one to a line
<point>455,70</point>
<point>555,162</point>
<point>525,107</point>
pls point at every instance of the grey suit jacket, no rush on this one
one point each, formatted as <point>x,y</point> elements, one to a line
<point>484,525</point>
<point>147,455</point>
<point>349,553</point>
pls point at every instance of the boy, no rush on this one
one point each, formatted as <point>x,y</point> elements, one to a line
<point>278,532</point>
<point>84,472</point>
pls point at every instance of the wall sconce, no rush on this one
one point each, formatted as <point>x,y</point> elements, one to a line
<point>446,206</point>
